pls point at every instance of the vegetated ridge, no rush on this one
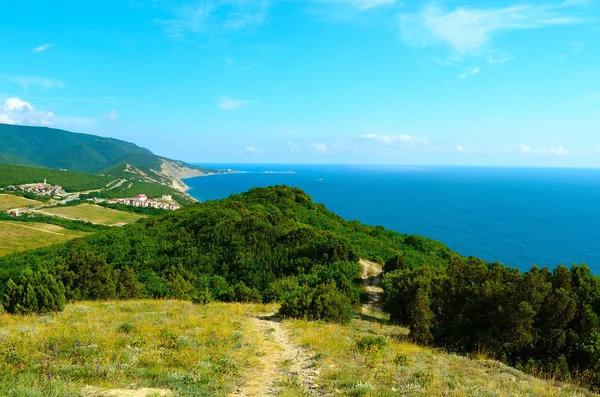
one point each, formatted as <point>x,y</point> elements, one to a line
<point>64,150</point>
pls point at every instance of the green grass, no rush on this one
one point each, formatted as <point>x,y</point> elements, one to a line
<point>370,358</point>
<point>9,201</point>
<point>93,213</point>
<point>187,349</point>
<point>20,236</point>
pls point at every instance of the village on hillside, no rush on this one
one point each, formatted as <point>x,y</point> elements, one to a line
<point>165,203</point>
<point>39,189</point>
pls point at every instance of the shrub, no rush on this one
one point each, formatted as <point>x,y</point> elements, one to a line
<point>202,297</point>
<point>371,343</point>
<point>125,328</point>
<point>325,302</point>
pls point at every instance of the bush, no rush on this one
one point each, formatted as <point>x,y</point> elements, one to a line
<point>202,297</point>
<point>371,343</point>
<point>325,303</point>
<point>125,328</point>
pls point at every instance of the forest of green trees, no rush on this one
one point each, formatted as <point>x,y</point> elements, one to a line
<point>276,245</point>
<point>69,180</point>
<point>540,321</point>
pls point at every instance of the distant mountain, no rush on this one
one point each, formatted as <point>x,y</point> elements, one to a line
<point>53,148</point>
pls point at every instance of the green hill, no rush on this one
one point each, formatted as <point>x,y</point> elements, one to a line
<point>53,148</point>
<point>69,180</point>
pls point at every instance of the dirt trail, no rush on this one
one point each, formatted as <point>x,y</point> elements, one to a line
<point>40,230</point>
<point>371,277</point>
<point>279,351</point>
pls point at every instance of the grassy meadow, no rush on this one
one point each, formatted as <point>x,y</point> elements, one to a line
<point>9,202</point>
<point>94,214</point>
<point>20,236</point>
<point>370,358</point>
<point>169,347</point>
<point>174,348</point>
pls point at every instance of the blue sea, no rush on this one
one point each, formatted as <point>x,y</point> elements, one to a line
<point>518,216</point>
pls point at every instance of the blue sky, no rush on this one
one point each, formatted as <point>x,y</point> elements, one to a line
<point>313,81</point>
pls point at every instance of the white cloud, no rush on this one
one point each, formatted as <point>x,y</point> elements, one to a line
<point>16,104</point>
<point>319,147</point>
<point>41,48</point>
<point>293,146</point>
<point>28,81</point>
<point>17,111</point>
<point>252,149</point>
<point>112,116</point>
<point>200,16</point>
<point>391,139</point>
<point>471,72</point>
<point>226,103</point>
<point>461,149</point>
<point>469,30</point>
<point>498,57</point>
<point>558,151</point>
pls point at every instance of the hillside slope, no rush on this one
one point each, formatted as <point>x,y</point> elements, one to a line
<point>59,149</point>
<point>173,348</point>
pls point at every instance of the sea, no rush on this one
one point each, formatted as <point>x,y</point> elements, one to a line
<point>517,216</point>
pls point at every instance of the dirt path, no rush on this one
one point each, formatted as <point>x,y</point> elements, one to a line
<point>282,359</point>
<point>371,277</point>
<point>40,230</point>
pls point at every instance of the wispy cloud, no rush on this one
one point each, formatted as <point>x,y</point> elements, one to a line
<point>498,57</point>
<point>360,4</point>
<point>41,48</point>
<point>524,149</point>
<point>319,147</point>
<point>471,30</point>
<point>471,72</point>
<point>253,149</point>
<point>461,149</point>
<point>210,15</point>
<point>558,151</point>
<point>112,116</point>
<point>29,81</point>
<point>227,103</point>
<point>396,139</point>
<point>293,146</point>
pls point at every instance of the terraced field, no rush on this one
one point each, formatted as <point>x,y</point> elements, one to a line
<point>8,202</point>
<point>94,214</point>
<point>21,236</point>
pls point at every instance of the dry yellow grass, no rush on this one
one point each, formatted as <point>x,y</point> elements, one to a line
<point>180,349</point>
<point>175,346</point>
<point>402,368</point>
<point>93,213</point>
<point>8,202</point>
<point>22,236</point>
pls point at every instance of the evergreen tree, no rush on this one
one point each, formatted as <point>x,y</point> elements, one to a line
<point>420,317</point>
